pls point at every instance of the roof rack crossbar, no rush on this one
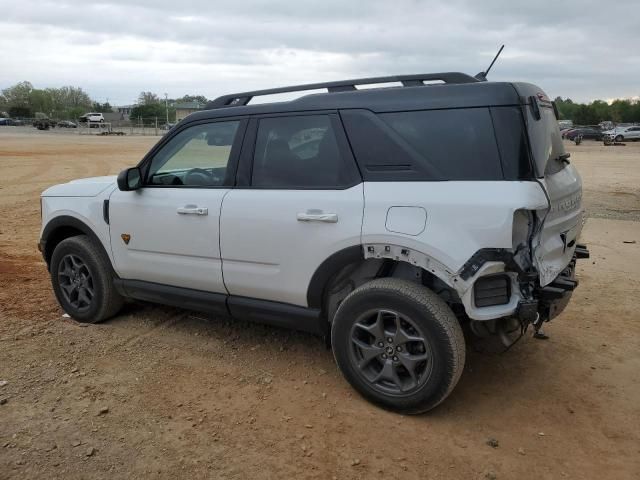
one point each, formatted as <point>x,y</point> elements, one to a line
<point>238,99</point>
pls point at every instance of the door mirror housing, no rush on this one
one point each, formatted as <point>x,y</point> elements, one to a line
<point>130,179</point>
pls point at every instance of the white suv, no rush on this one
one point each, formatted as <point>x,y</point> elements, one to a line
<point>92,117</point>
<point>385,220</point>
<point>620,134</point>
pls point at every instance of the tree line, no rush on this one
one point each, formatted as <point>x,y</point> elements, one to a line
<point>22,100</point>
<point>618,111</point>
<point>150,105</point>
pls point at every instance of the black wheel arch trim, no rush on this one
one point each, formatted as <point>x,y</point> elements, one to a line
<point>327,269</point>
<point>64,222</point>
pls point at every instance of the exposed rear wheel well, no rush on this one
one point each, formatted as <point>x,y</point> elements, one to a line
<point>356,273</point>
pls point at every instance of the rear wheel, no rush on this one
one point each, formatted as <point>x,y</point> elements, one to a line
<point>398,344</point>
<point>82,280</point>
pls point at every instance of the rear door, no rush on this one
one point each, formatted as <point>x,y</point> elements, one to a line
<point>298,199</point>
<point>167,232</point>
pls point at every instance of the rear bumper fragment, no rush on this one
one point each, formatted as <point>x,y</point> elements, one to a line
<point>549,301</point>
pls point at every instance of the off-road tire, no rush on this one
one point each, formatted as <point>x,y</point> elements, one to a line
<point>434,319</point>
<point>106,301</point>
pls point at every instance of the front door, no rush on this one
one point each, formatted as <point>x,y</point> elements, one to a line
<point>167,232</point>
<point>299,200</point>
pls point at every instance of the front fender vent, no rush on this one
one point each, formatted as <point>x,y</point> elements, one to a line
<point>492,290</point>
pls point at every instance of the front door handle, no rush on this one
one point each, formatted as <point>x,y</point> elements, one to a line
<point>193,210</point>
<point>317,216</point>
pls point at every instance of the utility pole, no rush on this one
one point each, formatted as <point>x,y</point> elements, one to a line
<point>166,105</point>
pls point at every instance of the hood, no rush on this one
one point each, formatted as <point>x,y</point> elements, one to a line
<point>84,187</point>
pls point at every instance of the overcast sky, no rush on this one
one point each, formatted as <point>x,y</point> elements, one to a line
<point>115,48</point>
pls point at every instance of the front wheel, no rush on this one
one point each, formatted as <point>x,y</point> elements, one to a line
<point>619,138</point>
<point>398,344</point>
<point>82,280</point>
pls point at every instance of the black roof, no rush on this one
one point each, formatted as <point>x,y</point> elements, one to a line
<point>460,91</point>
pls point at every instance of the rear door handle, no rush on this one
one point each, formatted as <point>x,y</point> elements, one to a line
<point>193,210</point>
<point>317,216</point>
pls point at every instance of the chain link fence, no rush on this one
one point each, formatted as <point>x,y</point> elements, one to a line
<point>153,126</point>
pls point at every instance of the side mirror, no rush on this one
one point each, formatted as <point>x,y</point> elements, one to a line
<point>130,179</point>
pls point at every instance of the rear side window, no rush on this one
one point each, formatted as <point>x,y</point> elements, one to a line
<point>300,152</point>
<point>456,144</point>
<point>508,124</point>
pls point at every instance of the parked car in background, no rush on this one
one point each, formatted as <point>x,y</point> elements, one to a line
<point>564,131</point>
<point>91,117</point>
<point>6,121</point>
<point>587,133</point>
<point>67,124</point>
<point>620,134</point>
<point>44,123</point>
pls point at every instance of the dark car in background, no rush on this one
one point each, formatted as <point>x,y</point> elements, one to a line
<point>11,122</point>
<point>66,124</point>
<point>44,123</point>
<point>587,133</point>
<point>564,131</point>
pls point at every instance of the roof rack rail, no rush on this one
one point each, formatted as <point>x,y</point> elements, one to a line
<point>239,99</point>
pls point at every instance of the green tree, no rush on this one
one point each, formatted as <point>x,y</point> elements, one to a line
<point>148,112</point>
<point>599,111</point>
<point>20,112</point>
<point>148,98</point>
<point>192,98</point>
<point>626,111</point>
<point>42,101</point>
<point>623,111</point>
<point>74,113</point>
<point>101,107</point>
<point>17,95</point>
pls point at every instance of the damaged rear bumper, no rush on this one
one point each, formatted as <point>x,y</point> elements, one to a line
<point>549,301</point>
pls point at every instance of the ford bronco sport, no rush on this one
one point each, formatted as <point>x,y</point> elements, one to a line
<point>384,219</point>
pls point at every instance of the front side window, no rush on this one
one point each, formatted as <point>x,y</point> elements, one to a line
<point>298,152</point>
<point>197,156</point>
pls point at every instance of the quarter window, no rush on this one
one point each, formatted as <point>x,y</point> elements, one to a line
<point>454,144</point>
<point>298,152</point>
<point>427,145</point>
<point>197,156</point>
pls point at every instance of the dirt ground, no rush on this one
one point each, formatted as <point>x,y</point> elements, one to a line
<point>163,393</point>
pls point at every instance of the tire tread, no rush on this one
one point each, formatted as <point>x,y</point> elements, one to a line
<point>112,301</point>
<point>439,311</point>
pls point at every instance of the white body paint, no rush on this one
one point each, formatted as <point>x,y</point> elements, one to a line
<point>267,244</point>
